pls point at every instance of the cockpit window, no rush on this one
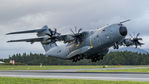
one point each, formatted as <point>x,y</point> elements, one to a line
<point>123,31</point>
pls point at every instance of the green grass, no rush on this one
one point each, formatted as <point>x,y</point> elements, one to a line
<point>54,67</point>
<point>11,80</point>
<point>121,70</point>
<point>50,67</point>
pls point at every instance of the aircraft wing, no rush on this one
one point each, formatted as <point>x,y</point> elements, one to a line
<point>28,31</point>
<point>53,36</point>
<point>44,28</point>
<point>27,40</point>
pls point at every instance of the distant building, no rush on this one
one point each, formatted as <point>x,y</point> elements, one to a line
<point>1,62</point>
<point>12,62</point>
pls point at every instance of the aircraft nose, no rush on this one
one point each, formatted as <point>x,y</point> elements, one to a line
<point>123,31</point>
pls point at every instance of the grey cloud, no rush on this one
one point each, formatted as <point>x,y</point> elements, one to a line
<point>19,15</point>
<point>81,9</point>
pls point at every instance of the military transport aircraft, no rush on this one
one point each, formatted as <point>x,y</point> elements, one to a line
<point>79,45</point>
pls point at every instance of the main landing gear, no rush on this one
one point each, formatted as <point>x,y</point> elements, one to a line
<point>77,58</point>
<point>94,58</point>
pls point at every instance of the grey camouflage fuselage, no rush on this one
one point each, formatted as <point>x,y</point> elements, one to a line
<point>94,42</point>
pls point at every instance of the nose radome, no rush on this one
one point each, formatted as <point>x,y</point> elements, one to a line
<point>123,31</point>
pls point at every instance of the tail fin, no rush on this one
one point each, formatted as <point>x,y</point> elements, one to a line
<point>43,33</point>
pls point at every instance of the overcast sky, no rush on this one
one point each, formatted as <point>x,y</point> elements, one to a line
<point>16,15</point>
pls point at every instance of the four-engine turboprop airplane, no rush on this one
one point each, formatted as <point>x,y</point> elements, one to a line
<point>79,45</point>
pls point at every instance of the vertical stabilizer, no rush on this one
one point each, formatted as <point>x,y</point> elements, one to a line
<point>43,33</point>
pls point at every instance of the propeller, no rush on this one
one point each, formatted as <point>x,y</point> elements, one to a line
<point>76,35</point>
<point>52,35</point>
<point>135,39</point>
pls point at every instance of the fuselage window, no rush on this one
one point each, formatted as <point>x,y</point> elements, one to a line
<point>97,36</point>
<point>59,51</point>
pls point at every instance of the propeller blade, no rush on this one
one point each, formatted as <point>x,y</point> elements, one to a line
<point>48,34</point>
<point>55,30</point>
<point>51,33</point>
<point>79,30</point>
<point>72,31</point>
<point>131,35</point>
<point>75,29</point>
<point>134,34</point>
<point>137,35</point>
<point>136,44</point>
<point>140,39</point>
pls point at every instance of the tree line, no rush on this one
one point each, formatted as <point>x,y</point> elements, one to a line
<point>112,58</point>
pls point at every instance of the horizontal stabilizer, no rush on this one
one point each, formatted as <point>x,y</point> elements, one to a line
<point>27,40</point>
<point>29,31</point>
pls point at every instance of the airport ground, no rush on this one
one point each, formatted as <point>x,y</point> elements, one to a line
<point>92,68</point>
<point>50,67</point>
<point>56,74</point>
<point>11,80</point>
